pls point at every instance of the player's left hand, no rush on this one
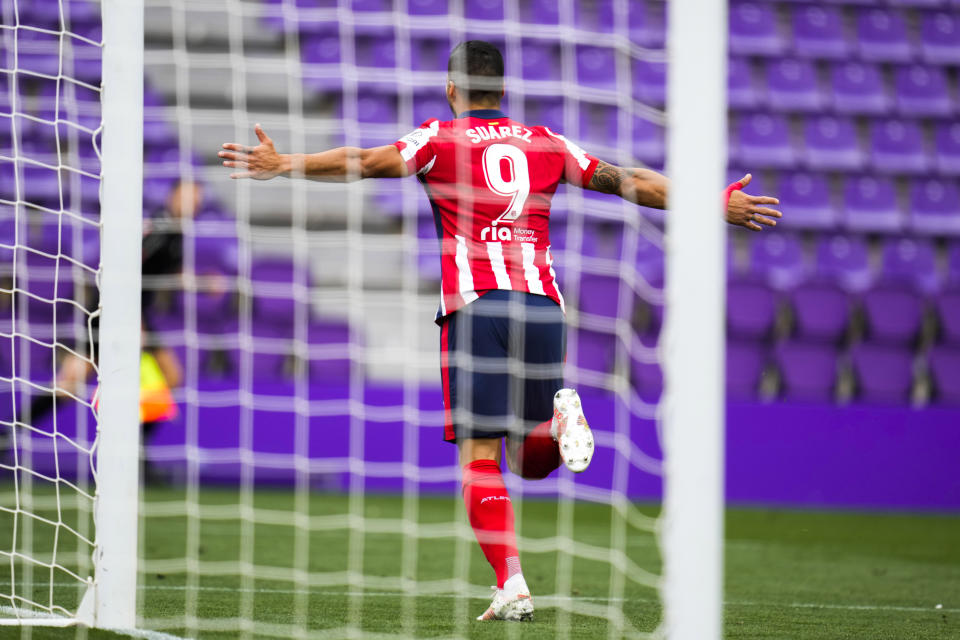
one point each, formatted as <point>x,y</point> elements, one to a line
<point>748,211</point>
<point>261,162</point>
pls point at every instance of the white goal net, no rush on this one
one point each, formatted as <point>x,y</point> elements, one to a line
<point>49,216</point>
<point>294,481</point>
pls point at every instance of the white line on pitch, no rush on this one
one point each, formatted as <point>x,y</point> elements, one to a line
<point>559,599</point>
<point>146,634</point>
<point>550,600</point>
<point>43,618</point>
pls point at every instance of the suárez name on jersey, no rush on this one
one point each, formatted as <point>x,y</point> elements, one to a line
<point>490,132</point>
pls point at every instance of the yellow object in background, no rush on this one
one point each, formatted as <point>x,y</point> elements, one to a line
<point>156,401</point>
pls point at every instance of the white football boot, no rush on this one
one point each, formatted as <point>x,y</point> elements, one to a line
<point>513,602</point>
<point>569,428</point>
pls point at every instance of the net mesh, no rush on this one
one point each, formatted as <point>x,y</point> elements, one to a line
<point>49,180</point>
<point>302,488</point>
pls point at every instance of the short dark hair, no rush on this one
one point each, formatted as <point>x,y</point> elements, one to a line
<point>476,67</point>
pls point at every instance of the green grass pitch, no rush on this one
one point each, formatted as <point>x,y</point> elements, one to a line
<point>789,574</point>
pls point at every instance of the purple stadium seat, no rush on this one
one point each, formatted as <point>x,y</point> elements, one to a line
<point>808,371</point>
<point>846,261</point>
<point>649,144</point>
<point>647,379</point>
<point>821,311</point>
<point>372,5</point>
<point>429,50</point>
<point>778,258</point>
<point>155,192</point>
<point>89,70</point>
<point>754,29</point>
<point>944,366</point>
<point>870,204</point>
<point>809,202</point>
<point>939,33</point>
<point>948,313</point>
<point>595,350</point>
<point>483,9</point>
<point>594,16</point>
<point>897,147</point>
<point>647,23</point>
<point>953,264</point>
<point>539,12</point>
<point>600,295</point>
<point>39,14</point>
<point>320,42</point>
<point>275,305</point>
<point>882,36</point>
<point>745,363</point>
<point>792,85</point>
<point>858,88</point>
<point>374,46</point>
<point>602,240</point>
<point>650,82</point>
<point>541,59</point>
<point>428,7</point>
<point>818,32</point>
<point>912,262</point>
<point>277,22</point>
<point>596,66</point>
<point>8,181</point>
<point>44,63</point>
<point>765,140</point>
<point>598,124</point>
<point>545,111</point>
<point>947,147</point>
<point>40,186</point>
<point>884,373</point>
<point>751,309</point>
<point>935,206</point>
<point>649,262</point>
<point>430,103</point>
<point>831,143</point>
<point>918,3</point>
<point>377,103</point>
<point>922,91</point>
<point>329,350</point>
<point>157,131</point>
<point>894,314</point>
<point>741,93</point>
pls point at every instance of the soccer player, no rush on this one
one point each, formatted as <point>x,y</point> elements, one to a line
<point>490,180</point>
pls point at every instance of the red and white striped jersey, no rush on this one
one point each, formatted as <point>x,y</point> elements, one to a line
<point>490,181</point>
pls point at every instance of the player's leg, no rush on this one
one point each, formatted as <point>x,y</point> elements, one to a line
<point>556,430</point>
<point>474,367</point>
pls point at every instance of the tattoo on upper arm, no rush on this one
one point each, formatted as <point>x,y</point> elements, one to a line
<point>607,178</point>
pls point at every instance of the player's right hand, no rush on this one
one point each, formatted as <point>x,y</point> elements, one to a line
<point>261,162</point>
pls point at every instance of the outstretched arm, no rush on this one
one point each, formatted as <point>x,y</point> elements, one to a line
<point>640,186</point>
<point>650,189</point>
<point>344,164</point>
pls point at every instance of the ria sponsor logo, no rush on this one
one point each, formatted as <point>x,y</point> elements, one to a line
<point>493,232</point>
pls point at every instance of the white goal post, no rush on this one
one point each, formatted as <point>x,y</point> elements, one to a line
<point>693,357</point>
<point>118,445</point>
<point>692,351</point>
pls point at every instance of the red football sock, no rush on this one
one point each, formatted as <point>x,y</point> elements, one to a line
<point>491,516</point>
<point>540,453</point>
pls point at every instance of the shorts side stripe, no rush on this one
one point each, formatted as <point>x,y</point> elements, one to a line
<point>448,432</point>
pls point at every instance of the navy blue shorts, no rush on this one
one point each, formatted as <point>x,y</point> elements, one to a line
<point>501,361</point>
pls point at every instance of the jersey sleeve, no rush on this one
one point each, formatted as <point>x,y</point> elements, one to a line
<point>417,148</point>
<point>578,165</point>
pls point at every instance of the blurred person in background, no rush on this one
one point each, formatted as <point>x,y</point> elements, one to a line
<point>160,367</point>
